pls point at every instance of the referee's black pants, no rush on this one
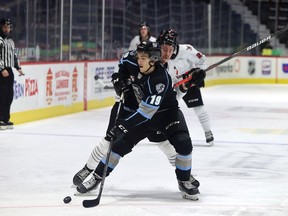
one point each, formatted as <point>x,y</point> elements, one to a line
<point>6,95</point>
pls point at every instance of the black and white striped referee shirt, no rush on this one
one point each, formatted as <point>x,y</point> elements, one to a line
<point>8,55</point>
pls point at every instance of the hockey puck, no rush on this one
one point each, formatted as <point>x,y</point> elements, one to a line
<point>67,200</point>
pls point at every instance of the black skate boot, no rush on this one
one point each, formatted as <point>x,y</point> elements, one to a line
<point>9,125</point>
<point>209,138</point>
<point>194,181</point>
<point>81,175</point>
<point>89,185</point>
<point>3,126</point>
<point>188,190</point>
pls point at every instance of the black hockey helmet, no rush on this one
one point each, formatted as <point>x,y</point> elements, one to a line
<point>151,48</point>
<point>168,37</point>
<point>5,21</point>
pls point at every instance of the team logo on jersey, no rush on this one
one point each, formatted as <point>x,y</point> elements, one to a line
<point>160,88</point>
<point>138,92</point>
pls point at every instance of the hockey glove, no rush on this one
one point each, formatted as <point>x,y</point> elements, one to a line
<point>117,132</point>
<point>198,76</point>
<point>121,83</point>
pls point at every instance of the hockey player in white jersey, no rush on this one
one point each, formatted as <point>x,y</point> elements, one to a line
<point>180,59</point>
<point>185,59</point>
<point>144,35</point>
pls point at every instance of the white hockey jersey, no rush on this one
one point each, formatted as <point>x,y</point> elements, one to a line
<point>186,58</point>
<point>136,41</point>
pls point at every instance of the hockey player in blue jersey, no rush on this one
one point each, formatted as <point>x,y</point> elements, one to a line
<point>157,111</point>
<point>128,69</point>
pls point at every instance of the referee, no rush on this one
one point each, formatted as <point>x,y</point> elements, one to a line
<point>8,59</point>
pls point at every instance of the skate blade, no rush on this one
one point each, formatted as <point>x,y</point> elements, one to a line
<point>90,193</point>
<point>210,144</point>
<point>189,197</point>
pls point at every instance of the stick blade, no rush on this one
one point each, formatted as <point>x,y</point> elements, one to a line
<point>91,203</point>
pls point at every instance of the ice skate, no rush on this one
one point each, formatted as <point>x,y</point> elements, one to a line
<point>81,175</point>
<point>90,193</point>
<point>209,138</point>
<point>188,190</point>
<point>90,184</point>
<point>3,126</point>
<point>194,181</point>
<point>9,125</point>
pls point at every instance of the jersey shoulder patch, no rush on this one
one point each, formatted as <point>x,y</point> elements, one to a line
<point>125,55</point>
<point>160,87</point>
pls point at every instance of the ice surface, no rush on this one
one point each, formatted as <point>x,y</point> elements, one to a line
<point>245,173</point>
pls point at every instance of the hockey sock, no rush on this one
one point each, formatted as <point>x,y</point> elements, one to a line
<point>203,118</point>
<point>99,151</point>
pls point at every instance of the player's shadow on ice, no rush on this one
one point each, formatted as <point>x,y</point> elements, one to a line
<point>143,195</point>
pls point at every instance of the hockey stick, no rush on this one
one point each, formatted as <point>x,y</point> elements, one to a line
<point>231,56</point>
<point>95,202</point>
